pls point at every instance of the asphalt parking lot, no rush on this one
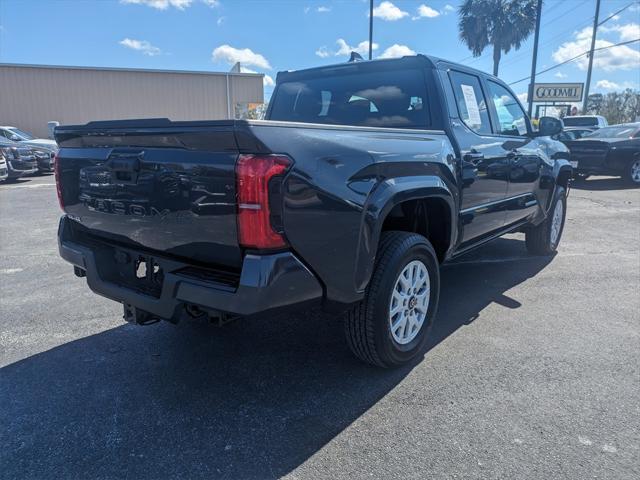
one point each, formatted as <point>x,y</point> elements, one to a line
<point>533,370</point>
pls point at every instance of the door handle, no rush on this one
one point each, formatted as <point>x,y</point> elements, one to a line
<point>473,157</point>
<point>512,154</point>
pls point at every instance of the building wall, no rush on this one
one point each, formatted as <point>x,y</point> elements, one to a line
<point>30,96</point>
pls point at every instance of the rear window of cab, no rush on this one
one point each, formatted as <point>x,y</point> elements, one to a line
<point>396,99</point>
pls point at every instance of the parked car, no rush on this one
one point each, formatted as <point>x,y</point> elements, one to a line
<point>4,172</point>
<point>16,135</point>
<point>573,133</point>
<point>20,160</point>
<point>594,121</point>
<point>613,150</point>
<point>45,159</point>
<point>365,177</point>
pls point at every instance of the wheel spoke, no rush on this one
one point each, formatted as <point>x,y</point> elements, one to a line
<point>400,323</point>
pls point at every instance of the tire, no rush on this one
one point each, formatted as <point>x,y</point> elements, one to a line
<point>544,239</point>
<point>368,325</point>
<point>632,172</point>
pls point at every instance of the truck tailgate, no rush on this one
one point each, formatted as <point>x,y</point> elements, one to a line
<point>154,184</point>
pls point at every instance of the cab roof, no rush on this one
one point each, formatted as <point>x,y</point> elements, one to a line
<point>409,61</point>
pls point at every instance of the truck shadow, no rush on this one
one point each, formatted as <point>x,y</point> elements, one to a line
<point>601,184</point>
<point>252,400</point>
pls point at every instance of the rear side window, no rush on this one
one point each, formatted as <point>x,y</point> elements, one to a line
<point>375,99</point>
<point>472,106</point>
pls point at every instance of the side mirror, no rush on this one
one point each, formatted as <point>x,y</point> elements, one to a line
<point>14,138</point>
<point>549,126</point>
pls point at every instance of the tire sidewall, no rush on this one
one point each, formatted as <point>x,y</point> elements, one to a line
<point>559,197</point>
<point>629,170</point>
<point>391,352</point>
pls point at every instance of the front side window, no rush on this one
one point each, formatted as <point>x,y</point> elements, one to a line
<point>472,106</point>
<point>394,99</point>
<point>511,118</point>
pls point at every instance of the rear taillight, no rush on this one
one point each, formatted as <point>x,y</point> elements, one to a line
<point>56,172</point>
<point>254,174</point>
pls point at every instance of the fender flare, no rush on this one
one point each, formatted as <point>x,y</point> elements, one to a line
<point>381,201</point>
<point>561,168</point>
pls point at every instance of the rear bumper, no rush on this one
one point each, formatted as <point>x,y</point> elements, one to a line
<point>266,282</point>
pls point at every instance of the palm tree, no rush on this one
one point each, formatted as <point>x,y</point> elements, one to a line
<point>504,24</point>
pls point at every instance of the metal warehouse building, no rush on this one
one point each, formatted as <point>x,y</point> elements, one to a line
<point>32,95</point>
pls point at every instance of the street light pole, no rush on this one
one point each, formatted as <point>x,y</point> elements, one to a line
<point>534,62</point>
<point>370,29</point>
<point>593,45</point>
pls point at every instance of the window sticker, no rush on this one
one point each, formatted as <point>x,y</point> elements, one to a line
<point>472,105</point>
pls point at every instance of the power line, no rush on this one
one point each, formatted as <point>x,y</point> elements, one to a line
<point>575,58</point>
<point>569,31</point>
<point>619,11</point>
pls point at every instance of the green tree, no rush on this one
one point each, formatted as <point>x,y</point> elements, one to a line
<point>502,24</point>
<point>616,107</point>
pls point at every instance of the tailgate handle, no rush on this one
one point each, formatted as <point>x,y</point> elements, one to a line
<point>125,166</point>
<point>125,162</point>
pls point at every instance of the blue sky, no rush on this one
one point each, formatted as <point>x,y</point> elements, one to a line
<point>273,35</point>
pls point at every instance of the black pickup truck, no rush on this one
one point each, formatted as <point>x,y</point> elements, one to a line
<point>362,180</point>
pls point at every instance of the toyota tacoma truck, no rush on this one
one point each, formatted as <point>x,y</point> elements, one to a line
<point>361,181</point>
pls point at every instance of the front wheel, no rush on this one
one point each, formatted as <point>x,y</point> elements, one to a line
<point>544,239</point>
<point>632,174</point>
<point>389,327</point>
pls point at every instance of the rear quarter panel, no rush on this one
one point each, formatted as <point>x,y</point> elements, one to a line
<point>342,183</point>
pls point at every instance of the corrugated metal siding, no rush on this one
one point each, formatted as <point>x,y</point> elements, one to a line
<point>32,96</point>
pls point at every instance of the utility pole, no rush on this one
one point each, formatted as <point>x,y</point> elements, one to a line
<point>593,45</point>
<point>534,62</point>
<point>370,29</point>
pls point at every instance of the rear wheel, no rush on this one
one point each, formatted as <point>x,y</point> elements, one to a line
<point>389,327</point>
<point>544,239</point>
<point>632,174</point>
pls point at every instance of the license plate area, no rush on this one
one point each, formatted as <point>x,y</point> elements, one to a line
<point>138,271</point>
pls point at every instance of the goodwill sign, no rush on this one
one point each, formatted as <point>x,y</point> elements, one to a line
<point>557,92</point>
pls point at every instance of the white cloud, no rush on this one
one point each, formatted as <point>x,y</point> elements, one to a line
<point>523,97</point>
<point>220,20</point>
<point>615,58</point>
<point>388,11</point>
<point>345,49</point>
<point>607,85</point>
<point>160,4</point>
<point>323,52</point>
<point>560,75</point>
<point>231,55</point>
<point>629,31</point>
<point>323,9</point>
<point>448,9</point>
<point>141,46</point>
<point>425,11</point>
<point>396,51</point>
<point>267,80</point>
<point>165,4</point>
